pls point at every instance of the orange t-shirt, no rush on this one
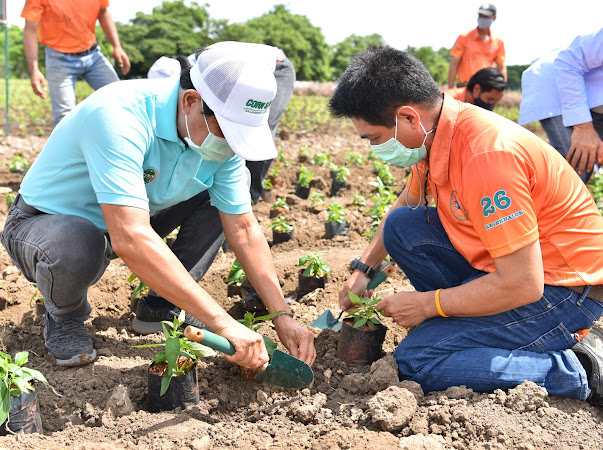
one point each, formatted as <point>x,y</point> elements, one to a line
<point>476,54</point>
<point>499,188</point>
<point>456,93</point>
<point>66,26</point>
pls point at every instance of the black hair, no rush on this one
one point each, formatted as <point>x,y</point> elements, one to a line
<point>185,79</point>
<point>488,79</point>
<point>378,81</point>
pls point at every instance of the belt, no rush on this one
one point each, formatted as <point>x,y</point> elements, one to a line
<point>20,203</point>
<point>596,292</point>
<point>85,52</point>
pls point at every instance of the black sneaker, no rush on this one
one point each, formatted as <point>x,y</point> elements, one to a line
<point>148,318</point>
<point>590,354</point>
<point>68,342</point>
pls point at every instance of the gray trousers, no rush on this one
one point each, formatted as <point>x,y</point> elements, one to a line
<point>65,255</point>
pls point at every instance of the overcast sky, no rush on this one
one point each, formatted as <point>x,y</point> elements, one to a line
<point>528,28</point>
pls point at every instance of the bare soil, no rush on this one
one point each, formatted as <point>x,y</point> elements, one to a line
<point>103,405</point>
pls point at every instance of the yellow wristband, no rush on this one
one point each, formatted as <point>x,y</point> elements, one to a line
<point>437,301</point>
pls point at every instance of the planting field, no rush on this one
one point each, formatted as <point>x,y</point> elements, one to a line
<point>104,405</point>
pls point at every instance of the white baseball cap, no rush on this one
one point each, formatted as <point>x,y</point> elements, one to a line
<point>164,67</point>
<point>239,86</point>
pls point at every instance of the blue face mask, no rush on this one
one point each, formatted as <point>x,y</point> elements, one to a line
<point>397,154</point>
<point>484,23</point>
<point>214,148</point>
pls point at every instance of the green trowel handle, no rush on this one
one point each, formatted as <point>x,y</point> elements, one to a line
<point>210,339</point>
<point>380,277</point>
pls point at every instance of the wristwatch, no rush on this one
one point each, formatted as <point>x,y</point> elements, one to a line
<point>356,264</point>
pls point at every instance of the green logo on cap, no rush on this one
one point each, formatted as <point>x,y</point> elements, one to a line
<point>256,107</point>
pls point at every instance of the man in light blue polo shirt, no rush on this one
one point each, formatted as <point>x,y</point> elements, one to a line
<point>127,166</point>
<point>563,89</point>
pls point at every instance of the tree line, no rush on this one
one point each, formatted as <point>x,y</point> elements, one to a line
<point>175,28</point>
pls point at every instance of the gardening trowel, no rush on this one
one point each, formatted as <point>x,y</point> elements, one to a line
<point>283,369</point>
<point>327,321</point>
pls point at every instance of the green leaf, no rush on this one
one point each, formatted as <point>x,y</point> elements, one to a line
<point>354,298</point>
<point>270,345</point>
<point>360,322</point>
<point>165,383</point>
<point>21,358</point>
<point>172,350</point>
<point>5,407</point>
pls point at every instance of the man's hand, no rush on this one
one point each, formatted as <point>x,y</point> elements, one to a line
<point>298,340</point>
<point>250,350</point>
<point>122,60</point>
<point>586,148</point>
<point>405,308</point>
<point>357,283</point>
<point>38,84</point>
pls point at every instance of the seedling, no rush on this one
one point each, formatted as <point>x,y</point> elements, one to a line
<point>281,158</point>
<point>386,176</point>
<point>18,164</point>
<point>139,291</point>
<point>34,298</point>
<point>358,200</point>
<point>316,199</point>
<point>280,204</point>
<point>180,353</point>
<point>10,198</point>
<point>254,323</point>
<point>321,159</point>
<point>342,174</point>
<point>281,225</point>
<point>336,214</point>
<point>267,184</point>
<point>305,176</point>
<point>304,153</point>
<point>315,266</point>
<point>275,171</point>
<point>355,158</point>
<point>236,275</point>
<point>366,311</point>
<point>15,380</point>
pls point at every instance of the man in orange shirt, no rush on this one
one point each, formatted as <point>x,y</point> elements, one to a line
<point>477,49</point>
<point>507,266</point>
<point>484,89</point>
<point>67,32</point>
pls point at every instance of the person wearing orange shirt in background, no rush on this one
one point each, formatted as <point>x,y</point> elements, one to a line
<point>507,266</point>
<point>477,49</point>
<point>484,89</point>
<point>67,31</point>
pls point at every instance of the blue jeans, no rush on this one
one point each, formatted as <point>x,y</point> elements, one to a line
<point>500,351</point>
<point>284,75</point>
<point>560,136</point>
<point>65,254</point>
<point>63,70</point>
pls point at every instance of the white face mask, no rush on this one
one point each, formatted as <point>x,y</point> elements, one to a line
<point>214,148</point>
